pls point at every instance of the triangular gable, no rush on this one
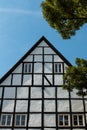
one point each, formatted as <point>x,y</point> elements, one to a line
<point>41,43</point>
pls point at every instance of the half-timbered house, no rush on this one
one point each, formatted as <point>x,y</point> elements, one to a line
<point>31,94</point>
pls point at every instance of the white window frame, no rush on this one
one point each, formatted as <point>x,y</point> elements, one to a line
<point>78,121</point>
<point>58,68</point>
<point>27,68</point>
<point>20,124</point>
<point>6,120</point>
<point>64,125</point>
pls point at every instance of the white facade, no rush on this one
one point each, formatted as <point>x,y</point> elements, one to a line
<point>32,97</point>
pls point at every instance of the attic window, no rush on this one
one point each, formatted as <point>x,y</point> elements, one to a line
<point>63,120</point>
<point>6,120</point>
<point>20,120</point>
<point>27,67</point>
<point>77,120</point>
<point>58,68</point>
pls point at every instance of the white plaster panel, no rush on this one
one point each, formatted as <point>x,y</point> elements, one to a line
<point>50,129</point>
<point>18,69</point>
<point>35,120</point>
<point>7,81</point>
<point>77,105</point>
<point>49,105</point>
<point>0,92</point>
<point>48,51</point>
<point>48,58</point>
<point>38,68</point>
<point>21,105</point>
<point>58,79</point>
<point>9,92</point>
<point>38,58</point>
<point>62,93</point>
<point>28,59</point>
<point>37,51</point>
<point>45,82</point>
<point>78,129</point>
<point>22,92</point>
<point>16,79</point>
<point>5,129</point>
<point>27,79</point>
<point>57,59</point>
<point>34,129</point>
<point>8,106</point>
<point>35,106</point>
<point>49,92</point>
<point>49,78</point>
<point>43,43</point>
<point>86,105</point>
<point>49,120</point>
<point>63,106</point>
<point>74,95</point>
<point>36,92</point>
<point>37,79</point>
<point>48,68</point>
<point>65,67</point>
<point>19,129</point>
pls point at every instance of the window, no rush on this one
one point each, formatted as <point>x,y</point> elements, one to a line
<point>27,68</point>
<point>63,120</point>
<point>20,120</point>
<point>58,68</point>
<point>6,120</point>
<point>78,120</point>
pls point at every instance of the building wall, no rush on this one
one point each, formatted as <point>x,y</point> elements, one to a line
<point>36,92</point>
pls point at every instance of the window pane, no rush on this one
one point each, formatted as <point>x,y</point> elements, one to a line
<point>66,120</point>
<point>27,68</point>
<point>75,120</point>
<point>60,119</point>
<point>57,67</point>
<point>17,120</point>
<point>80,119</point>
<point>23,120</point>
<point>3,119</point>
<point>8,120</point>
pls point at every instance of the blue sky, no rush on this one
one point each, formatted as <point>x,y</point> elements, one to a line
<point>22,25</point>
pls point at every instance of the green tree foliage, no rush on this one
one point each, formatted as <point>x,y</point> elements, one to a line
<point>76,77</point>
<point>66,16</point>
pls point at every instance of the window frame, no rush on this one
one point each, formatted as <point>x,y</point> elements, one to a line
<point>58,68</point>
<point>78,120</point>
<point>20,121</point>
<point>63,120</point>
<point>27,68</point>
<point>6,120</point>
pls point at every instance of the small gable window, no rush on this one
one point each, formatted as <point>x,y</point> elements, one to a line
<point>63,120</point>
<point>78,120</point>
<point>58,68</point>
<point>20,120</point>
<point>27,67</point>
<point>6,120</point>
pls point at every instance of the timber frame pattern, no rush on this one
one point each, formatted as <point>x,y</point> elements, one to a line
<point>44,103</point>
